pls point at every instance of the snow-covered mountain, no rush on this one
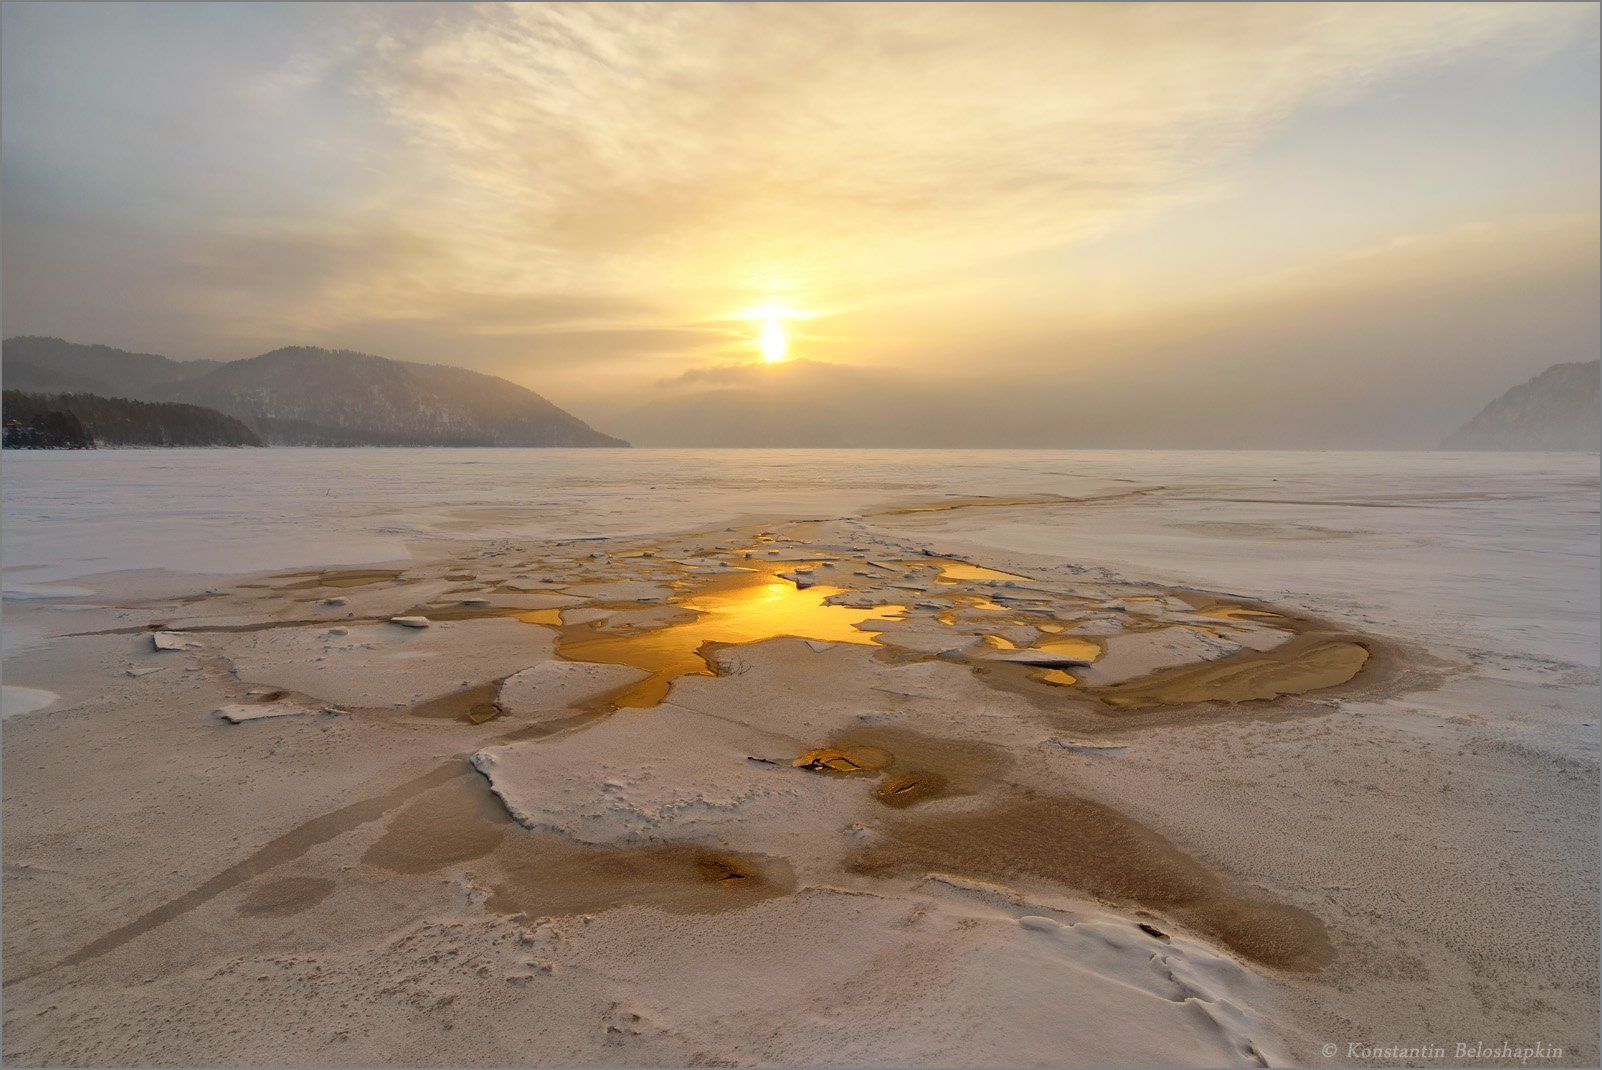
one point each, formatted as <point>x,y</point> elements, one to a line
<point>1557,410</point>
<point>306,396</point>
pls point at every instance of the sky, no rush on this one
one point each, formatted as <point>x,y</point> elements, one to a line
<point>1252,226</point>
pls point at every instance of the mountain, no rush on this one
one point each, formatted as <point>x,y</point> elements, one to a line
<point>1557,410</point>
<point>50,365</point>
<point>304,396</point>
<point>119,421</point>
<point>319,397</point>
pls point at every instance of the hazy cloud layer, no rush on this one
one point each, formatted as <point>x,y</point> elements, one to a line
<point>989,205</point>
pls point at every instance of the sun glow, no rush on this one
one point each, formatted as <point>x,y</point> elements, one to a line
<point>773,341</point>
<point>767,327</point>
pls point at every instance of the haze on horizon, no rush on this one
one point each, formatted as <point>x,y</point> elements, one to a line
<point>1010,225</point>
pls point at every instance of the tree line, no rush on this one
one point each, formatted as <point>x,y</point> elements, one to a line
<point>83,421</point>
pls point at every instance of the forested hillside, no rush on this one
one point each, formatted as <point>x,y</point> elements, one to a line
<point>74,421</point>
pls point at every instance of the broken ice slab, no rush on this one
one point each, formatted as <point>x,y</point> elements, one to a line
<point>173,641</point>
<point>239,713</point>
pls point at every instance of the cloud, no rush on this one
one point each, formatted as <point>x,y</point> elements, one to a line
<point>736,376</point>
<point>584,198</point>
<point>1346,354</point>
<point>726,147</point>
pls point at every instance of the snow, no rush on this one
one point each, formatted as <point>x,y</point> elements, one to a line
<point>1486,563</point>
<point>20,701</point>
<point>71,513</point>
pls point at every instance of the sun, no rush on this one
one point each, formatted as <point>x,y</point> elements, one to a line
<point>767,327</point>
<point>773,341</point>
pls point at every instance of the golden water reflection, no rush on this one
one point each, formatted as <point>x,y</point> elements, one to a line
<point>1070,646</point>
<point>1221,611</point>
<point>746,608</point>
<point>955,571</point>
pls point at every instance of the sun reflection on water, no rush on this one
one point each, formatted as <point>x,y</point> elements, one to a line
<point>746,608</point>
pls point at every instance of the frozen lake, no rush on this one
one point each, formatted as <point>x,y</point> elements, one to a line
<point>1443,816</point>
<point>72,513</point>
<point>1498,543</point>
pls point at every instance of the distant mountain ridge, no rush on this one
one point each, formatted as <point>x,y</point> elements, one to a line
<point>50,365</point>
<point>306,396</point>
<point>1560,409</point>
